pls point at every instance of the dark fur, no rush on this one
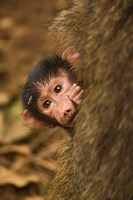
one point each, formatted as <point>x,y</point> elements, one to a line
<point>97,163</point>
<point>43,72</point>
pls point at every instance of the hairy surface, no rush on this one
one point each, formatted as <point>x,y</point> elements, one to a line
<point>97,163</point>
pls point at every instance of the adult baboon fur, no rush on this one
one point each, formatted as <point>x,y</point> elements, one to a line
<point>97,162</point>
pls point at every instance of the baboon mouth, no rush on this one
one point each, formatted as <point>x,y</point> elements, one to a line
<point>71,119</point>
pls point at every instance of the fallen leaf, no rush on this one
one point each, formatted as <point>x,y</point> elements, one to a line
<point>8,176</point>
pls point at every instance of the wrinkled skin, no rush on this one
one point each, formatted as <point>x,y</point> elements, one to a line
<point>59,99</point>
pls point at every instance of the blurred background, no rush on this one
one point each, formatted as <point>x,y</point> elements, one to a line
<point>27,156</point>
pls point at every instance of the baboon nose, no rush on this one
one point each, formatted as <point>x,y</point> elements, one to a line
<point>67,112</point>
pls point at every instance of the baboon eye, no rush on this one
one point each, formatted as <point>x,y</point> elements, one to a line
<point>58,88</point>
<point>46,104</point>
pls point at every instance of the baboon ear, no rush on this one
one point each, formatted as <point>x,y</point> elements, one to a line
<point>70,55</point>
<point>32,121</point>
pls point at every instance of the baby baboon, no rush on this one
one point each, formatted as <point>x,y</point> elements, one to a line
<point>50,96</point>
<point>97,163</point>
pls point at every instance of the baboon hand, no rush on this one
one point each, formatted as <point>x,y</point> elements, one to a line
<point>75,94</point>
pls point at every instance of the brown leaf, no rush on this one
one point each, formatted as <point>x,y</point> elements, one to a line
<point>23,149</point>
<point>15,178</point>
